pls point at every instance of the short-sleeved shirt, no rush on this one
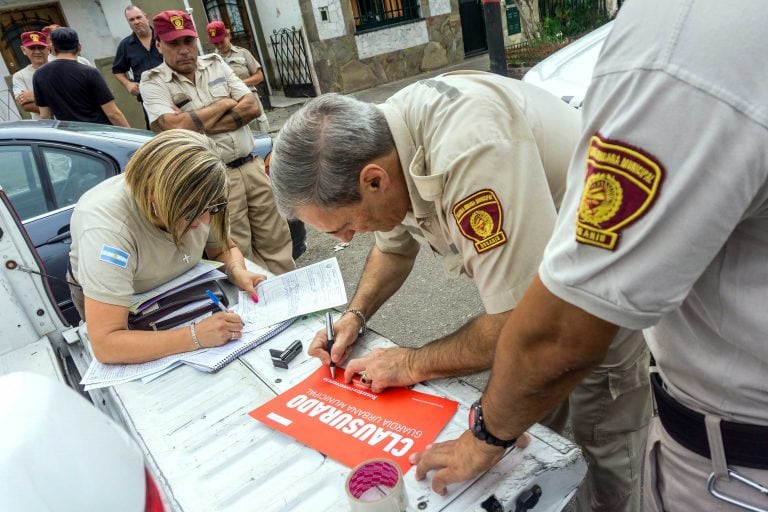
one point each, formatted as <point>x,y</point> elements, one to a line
<point>117,252</point>
<point>22,81</point>
<point>484,159</point>
<point>215,80</point>
<point>132,56</point>
<point>73,91</point>
<point>665,221</point>
<point>242,62</point>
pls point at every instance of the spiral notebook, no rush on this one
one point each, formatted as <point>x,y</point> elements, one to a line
<point>214,359</point>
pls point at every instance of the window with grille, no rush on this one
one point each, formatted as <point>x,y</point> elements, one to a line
<point>379,13</point>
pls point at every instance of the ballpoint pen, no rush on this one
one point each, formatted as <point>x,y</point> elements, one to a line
<point>216,300</point>
<point>329,334</point>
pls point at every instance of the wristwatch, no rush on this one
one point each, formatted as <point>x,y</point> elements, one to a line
<point>477,427</point>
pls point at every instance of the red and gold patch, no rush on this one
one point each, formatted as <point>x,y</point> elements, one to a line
<point>479,218</point>
<point>621,185</point>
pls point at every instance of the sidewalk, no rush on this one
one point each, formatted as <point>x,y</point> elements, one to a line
<point>378,94</point>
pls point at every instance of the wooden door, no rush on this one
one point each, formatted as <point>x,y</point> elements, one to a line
<point>14,22</point>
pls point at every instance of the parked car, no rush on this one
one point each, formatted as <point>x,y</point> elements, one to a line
<point>567,72</point>
<point>47,165</point>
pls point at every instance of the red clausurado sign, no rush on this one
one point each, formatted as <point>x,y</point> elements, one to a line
<point>350,424</point>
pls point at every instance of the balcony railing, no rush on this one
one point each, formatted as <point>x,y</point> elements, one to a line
<point>370,14</point>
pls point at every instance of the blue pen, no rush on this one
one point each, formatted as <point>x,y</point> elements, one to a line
<point>216,300</point>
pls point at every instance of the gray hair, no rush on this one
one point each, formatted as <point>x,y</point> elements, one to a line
<point>321,149</point>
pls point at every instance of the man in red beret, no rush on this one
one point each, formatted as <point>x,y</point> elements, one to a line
<point>35,47</point>
<point>203,94</point>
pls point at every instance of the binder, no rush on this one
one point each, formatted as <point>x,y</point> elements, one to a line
<point>185,303</point>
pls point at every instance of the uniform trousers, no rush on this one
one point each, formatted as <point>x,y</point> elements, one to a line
<point>675,478</point>
<point>609,412</point>
<point>259,231</point>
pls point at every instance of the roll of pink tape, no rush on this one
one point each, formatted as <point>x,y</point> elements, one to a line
<point>376,486</point>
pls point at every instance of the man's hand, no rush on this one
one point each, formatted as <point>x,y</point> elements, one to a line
<point>458,460</point>
<point>345,330</point>
<point>384,368</point>
<point>25,97</point>
<point>133,88</point>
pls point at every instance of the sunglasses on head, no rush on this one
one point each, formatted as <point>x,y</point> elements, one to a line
<point>211,210</point>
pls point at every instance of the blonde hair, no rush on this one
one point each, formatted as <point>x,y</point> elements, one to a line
<point>175,173</point>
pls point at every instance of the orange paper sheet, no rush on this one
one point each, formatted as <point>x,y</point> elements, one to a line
<point>350,424</point>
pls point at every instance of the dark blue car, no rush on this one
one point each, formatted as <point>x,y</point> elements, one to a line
<point>46,167</point>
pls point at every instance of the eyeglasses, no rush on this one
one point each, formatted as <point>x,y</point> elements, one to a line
<point>211,210</point>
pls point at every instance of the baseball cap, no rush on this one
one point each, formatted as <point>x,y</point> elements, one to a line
<point>170,25</point>
<point>32,39</point>
<point>64,39</point>
<point>48,29</point>
<point>216,31</point>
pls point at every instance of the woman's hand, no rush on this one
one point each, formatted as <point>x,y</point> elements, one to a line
<point>246,281</point>
<point>218,329</point>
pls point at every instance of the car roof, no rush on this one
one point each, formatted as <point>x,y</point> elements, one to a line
<point>567,72</point>
<point>71,132</point>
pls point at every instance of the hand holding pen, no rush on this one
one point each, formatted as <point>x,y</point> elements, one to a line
<point>219,328</point>
<point>330,337</point>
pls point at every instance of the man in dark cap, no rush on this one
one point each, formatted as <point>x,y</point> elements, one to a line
<point>71,91</point>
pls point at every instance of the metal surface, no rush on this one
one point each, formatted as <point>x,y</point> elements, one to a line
<point>208,454</point>
<point>712,481</point>
<point>292,62</point>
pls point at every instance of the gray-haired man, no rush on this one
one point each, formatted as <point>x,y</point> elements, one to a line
<point>473,166</point>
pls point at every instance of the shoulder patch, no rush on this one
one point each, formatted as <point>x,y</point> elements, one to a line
<point>479,218</point>
<point>621,185</point>
<point>114,256</point>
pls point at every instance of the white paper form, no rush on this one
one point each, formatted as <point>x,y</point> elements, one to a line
<point>305,290</point>
<point>100,375</point>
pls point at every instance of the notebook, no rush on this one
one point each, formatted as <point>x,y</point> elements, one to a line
<point>213,359</point>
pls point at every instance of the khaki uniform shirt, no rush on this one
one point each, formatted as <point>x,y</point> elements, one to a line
<point>117,252</point>
<point>242,62</point>
<point>484,158</point>
<point>22,81</point>
<point>213,80</point>
<point>665,222</point>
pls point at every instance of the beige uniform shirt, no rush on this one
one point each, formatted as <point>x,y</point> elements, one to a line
<point>213,80</point>
<point>22,81</point>
<point>117,252</point>
<point>242,63</point>
<point>485,159</point>
<point>665,222</point>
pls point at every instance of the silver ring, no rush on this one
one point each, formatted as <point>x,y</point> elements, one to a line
<point>364,378</point>
<point>232,335</point>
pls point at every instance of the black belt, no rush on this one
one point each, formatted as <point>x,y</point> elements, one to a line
<point>237,162</point>
<point>744,444</point>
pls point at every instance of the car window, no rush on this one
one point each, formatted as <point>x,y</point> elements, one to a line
<point>21,180</point>
<point>72,173</point>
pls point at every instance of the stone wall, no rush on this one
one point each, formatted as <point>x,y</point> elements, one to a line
<point>426,44</point>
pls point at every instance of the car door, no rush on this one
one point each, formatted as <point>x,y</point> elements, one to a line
<point>43,182</point>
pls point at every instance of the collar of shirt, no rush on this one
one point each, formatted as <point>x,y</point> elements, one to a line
<point>420,185</point>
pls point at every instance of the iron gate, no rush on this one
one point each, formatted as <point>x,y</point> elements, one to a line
<point>292,62</point>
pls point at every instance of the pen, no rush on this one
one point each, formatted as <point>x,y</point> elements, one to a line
<point>216,300</point>
<point>329,334</point>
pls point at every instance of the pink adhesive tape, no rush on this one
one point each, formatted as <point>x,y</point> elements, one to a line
<point>376,486</point>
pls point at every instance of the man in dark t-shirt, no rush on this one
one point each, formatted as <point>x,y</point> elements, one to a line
<point>71,91</point>
<point>136,53</point>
